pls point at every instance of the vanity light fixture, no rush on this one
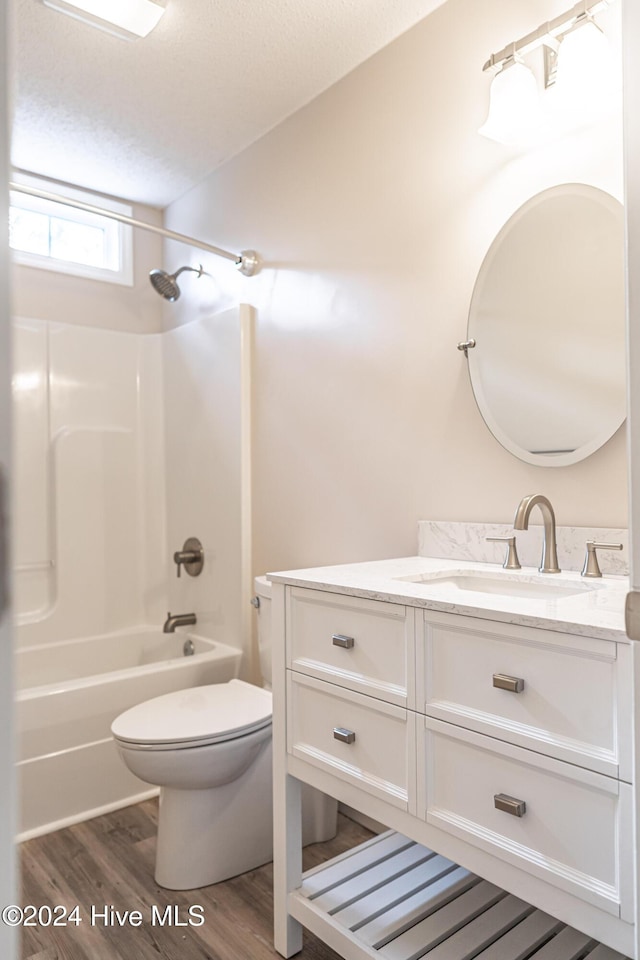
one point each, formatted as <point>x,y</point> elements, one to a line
<point>513,117</point>
<point>586,75</point>
<point>128,19</point>
<point>515,113</point>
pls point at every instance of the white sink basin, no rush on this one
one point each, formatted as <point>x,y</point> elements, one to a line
<point>494,583</point>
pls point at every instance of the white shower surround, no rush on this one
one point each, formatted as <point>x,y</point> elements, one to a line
<point>90,529</point>
<point>126,445</point>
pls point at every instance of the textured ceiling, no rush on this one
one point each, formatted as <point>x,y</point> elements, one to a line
<point>146,120</point>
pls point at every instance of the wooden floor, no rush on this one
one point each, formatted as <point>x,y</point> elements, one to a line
<point>109,861</point>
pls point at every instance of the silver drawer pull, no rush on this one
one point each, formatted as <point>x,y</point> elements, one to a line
<point>347,736</point>
<point>339,640</point>
<point>503,682</point>
<point>517,808</point>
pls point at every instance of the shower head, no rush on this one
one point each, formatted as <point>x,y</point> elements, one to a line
<point>166,284</point>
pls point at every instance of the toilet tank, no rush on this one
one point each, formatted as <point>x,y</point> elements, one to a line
<point>262,588</point>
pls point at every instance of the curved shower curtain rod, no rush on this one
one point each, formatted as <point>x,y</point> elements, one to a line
<point>247,262</point>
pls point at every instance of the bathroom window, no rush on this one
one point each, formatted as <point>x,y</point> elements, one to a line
<point>52,236</point>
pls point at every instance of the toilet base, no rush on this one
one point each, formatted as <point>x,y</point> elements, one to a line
<point>205,836</point>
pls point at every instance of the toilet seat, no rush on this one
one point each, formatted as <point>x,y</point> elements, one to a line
<point>195,717</point>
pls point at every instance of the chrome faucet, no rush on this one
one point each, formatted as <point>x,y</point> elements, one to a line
<point>179,620</point>
<point>549,561</point>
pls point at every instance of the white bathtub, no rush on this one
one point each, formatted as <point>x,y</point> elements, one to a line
<point>68,695</point>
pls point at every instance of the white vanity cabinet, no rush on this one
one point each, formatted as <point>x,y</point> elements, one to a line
<point>350,680</point>
<point>500,755</point>
<point>537,719</point>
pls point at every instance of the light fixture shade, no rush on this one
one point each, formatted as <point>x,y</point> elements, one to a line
<point>515,114</point>
<point>588,80</point>
<point>124,18</point>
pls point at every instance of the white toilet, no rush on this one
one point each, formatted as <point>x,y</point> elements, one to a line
<point>209,750</point>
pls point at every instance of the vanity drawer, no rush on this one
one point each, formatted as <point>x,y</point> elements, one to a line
<point>573,828</point>
<point>356,738</point>
<point>556,693</point>
<point>363,645</point>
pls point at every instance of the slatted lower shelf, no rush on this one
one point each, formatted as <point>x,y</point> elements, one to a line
<point>392,899</point>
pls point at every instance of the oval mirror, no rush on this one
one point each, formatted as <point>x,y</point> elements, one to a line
<point>548,316</point>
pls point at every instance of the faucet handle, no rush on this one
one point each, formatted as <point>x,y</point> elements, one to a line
<point>511,561</point>
<point>591,566</point>
<point>191,557</point>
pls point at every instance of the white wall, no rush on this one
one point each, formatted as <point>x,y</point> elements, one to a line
<point>632,184</point>
<point>8,893</point>
<point>373,207</point>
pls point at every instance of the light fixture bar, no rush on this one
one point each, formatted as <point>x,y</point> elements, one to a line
<point>546,32</point>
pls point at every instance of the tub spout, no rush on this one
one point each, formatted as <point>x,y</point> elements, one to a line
<point>178,620</point>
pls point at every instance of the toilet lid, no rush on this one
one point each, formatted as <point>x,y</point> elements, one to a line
<point>219,711</point>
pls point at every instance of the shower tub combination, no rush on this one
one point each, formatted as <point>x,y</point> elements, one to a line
<point>68,695</point>
<point>94,446</point>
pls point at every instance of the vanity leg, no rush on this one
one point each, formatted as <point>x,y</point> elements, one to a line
<point>287,815</point>
<point>287,863</point>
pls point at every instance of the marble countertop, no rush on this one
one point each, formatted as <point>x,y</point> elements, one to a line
<point>596,610</point>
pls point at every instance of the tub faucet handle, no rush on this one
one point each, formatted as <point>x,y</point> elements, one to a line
<point>191,557</point>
